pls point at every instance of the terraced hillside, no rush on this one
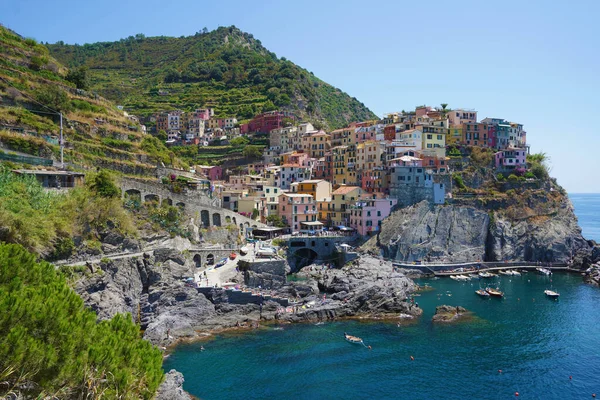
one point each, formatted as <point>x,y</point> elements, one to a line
<point>226,69</point>
<point>34,87</point>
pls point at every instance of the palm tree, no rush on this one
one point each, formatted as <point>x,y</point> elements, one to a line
<point>444,110</point>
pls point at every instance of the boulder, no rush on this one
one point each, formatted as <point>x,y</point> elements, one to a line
<point>172,387</point>
<point>447,313</point>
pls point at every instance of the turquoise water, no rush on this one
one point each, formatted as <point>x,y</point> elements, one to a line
<point>587,209</point>
<point>536,342</point>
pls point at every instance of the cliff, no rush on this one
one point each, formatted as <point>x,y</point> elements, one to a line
<point>531,225</point>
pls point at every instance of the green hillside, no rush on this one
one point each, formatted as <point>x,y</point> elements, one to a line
<point>34,87</point>
<point>226,69</point>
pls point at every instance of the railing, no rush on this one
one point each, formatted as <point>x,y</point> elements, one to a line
<point>26,159</point>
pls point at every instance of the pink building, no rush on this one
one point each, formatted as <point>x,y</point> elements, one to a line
<point>510,159</point>
<point>368,212</point>
<point>213,173</point>
<point>296,208</point>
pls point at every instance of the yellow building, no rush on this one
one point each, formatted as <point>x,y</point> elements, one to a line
<point>319,189</point>
<point>339,207</point>
<point>317,144</point>
<point>455,134</point>
<point>434,142</point>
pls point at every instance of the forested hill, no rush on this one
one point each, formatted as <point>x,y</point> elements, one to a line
<point>226,69</point>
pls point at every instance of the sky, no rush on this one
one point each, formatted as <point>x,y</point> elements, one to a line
<point>527,61</point>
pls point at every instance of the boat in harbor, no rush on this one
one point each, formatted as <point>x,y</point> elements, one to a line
<point>462,278</point>
<point>544,271</point>
<point>353,339</point>
<point>482,293</point>
<point>486,275</point>
<point>515,272</point>
<point>505,273</point>
<point>551,293</point>
<point>494,292</point>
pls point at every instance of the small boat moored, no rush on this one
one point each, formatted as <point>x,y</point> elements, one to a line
<point>544,271</point>
<point>353,339</point>
<point>494,292</point>
<point>552,294</point>
<point>482,293</point>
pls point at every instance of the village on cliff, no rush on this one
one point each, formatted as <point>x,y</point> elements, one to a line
<point>350,178</point>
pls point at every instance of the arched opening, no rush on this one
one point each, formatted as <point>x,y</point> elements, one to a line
<point>304,257</point>
<point>133,198</point>
<point>254,226</point>
<point>247,224</point>
<point>133,194</point>
<point>167,202</point>
<point>210,259</point>
<point>180,205</point>
<point>205,218</point>
<point>152,198</point>
<point>216,219</point>
<point>198,260</point>
<point>228,219</point>
<point>234,221</point>
<point>241,229</point>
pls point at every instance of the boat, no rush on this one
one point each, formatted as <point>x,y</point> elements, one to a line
<point>516,273</point>
<point>221,263</point>
<point>243,250</point>
<point>544,271</point>
<point>551,293</point>
<point>485,275</point>
<point>505,273</point>
<point>494,292</point>
<point>353,339</point>
<point>482,293</point>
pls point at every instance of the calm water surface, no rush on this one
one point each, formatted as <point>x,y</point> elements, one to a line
<point>536,342</point>
<point>587,209</point>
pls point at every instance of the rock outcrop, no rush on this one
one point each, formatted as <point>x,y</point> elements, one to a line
<point>172,387</point>
<point>367,287</point>
<point>447,313</point>
<point>536,226</point>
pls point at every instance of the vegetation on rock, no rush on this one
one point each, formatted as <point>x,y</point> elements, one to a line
<point>52,346</point>
<point>226,69</point>
<point>34,87</point>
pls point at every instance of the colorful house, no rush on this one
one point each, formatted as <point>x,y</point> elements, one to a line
<point>295,208</point>
<point>510,159</point>
<point>319,189</point>
<point>341,199</point>
<point>368,212</point>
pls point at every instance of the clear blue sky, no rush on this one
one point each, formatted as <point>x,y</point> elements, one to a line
<point>528,61</point>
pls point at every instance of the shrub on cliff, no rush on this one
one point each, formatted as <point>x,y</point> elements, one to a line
<point>104,185</point>
<point>52,346</point>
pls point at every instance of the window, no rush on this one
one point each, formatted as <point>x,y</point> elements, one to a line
<point>439,137</point>
<point>379,213</point>
<point>429,137</point>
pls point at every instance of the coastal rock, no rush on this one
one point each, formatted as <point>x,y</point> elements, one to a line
<point>535,226</point>
<point>172,387</point>
<point>368,288</point>
<point>152,292</point>
<point>447,313</point>
<point>429,232</point>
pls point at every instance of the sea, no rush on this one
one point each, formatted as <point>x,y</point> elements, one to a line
<point>525,346</point>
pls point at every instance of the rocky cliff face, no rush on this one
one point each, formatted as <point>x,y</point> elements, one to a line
<point>531,226</point>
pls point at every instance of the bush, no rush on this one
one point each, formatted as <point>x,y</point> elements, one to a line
<point>52,346</point>
<point>104,185</point>
<point>529,175</point>
<point>513,178</point>
<point>459,181</point>
<point>54,97</point>
<point>540,171</point>
<point>500,177</point>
